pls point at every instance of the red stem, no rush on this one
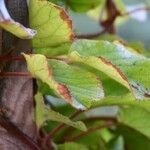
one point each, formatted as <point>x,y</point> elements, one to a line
<point>15,74</point>
<point>11,58</point>
<point>57,129</point>
<point>90,130</point>
<point>94,35</point>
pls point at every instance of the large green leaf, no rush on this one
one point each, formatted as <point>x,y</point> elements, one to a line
<point>7,23</point>
<point>136,118</point>
<point>76,86</point>
<point>134,140</point>
<point>43,113</point>
<point>53,25</point>
<point>121,63</point>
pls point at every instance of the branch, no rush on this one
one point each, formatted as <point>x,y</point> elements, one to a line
<point>90,130</point>
<point>90,35</point>
<point>15,74</point>
<point>113,13</point>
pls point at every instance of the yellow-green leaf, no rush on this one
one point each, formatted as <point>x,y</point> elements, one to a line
<point>117,61</point>
<point>53,25</point>
<point>43,114</point>
<point>7,23</point>
<point>76,86</point>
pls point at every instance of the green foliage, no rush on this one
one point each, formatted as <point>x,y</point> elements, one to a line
<point>86,74</point>
<point>43,114</point>
<point>141,124</point>
<point>67,82</point>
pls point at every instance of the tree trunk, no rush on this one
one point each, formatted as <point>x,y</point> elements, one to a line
<point>16,93</point>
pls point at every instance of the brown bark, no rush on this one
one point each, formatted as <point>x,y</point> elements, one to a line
<point>16,94</point>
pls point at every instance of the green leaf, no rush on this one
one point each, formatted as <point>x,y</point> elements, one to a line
<point>134,140</point>
<point>7,23</point>
<point>116,143</point>
<point>139,47</point>
<point>136,118</point>
<point>53,25</point>
<point>72,146</point>
<point>120,63</point>
<point>83,5</point>
<point>101,64</point>
<point>43,113</point>
<point>121,101</point>
<point>76,86</point>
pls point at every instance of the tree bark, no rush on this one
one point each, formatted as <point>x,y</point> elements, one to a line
<point>16,93</point>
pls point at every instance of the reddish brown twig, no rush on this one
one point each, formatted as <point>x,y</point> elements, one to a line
<point>57,129</point>
<point>90,130</point>
<point>15,74</point>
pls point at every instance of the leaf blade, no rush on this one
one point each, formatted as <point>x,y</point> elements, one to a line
<point>43,114</point>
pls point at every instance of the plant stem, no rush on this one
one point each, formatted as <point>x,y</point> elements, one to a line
<point>106,118</point>
<point>90,130</point>
<point>90,35</point>
<point>57,129</point>
<point>11,58</point>
<point>15,74</point>
<point>109,23</point>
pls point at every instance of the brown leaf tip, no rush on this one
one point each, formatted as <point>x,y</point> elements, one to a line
<point>63,90</point>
